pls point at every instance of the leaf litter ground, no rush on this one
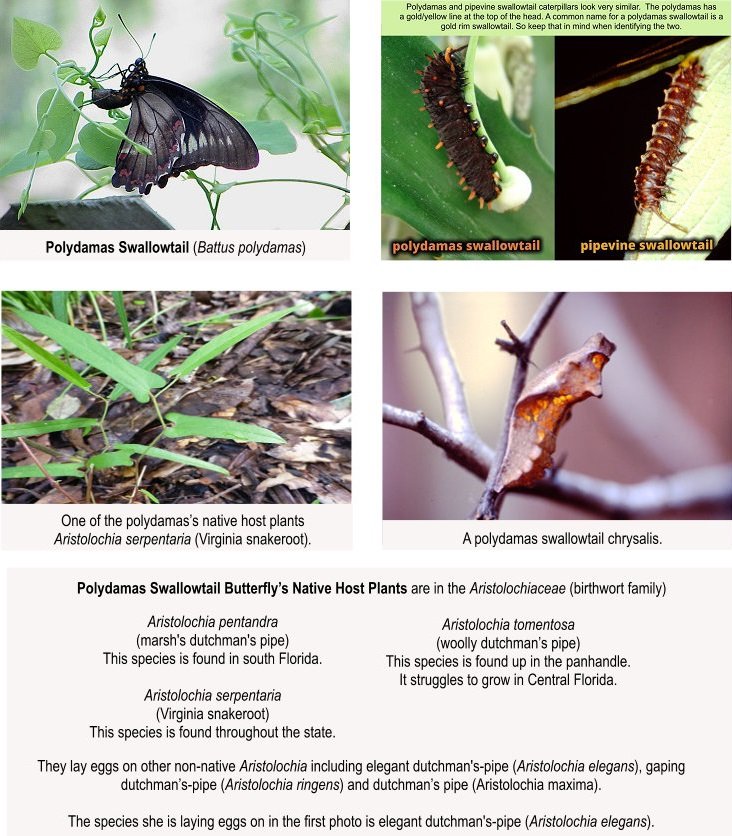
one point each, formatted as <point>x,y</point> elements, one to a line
<point>293,378</point>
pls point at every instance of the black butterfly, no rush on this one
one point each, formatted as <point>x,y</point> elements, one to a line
<point>182,129</point>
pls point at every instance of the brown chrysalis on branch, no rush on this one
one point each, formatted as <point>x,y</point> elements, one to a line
<point>544,406</point>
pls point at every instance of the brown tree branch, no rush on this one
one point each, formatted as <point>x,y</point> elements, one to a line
<point>471,454</point>
<point>522,348</point>
<point>697,488</point>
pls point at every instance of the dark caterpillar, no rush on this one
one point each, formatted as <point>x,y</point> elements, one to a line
<point>663,149</point>
<point>442,91</point>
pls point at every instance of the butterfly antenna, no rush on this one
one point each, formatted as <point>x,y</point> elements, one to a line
<point>109,74</point>
<point>151,43</point>
<point>131,35</point>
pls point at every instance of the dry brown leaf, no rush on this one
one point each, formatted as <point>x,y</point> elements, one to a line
<point>55,497</point>
<point>308,411</point>
<point>309,449</point>
<point>293,482</point>
<point>64,406</point>
<point>545,405</point>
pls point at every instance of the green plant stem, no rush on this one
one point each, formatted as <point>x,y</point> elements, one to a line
<point>156,406</point>
<point>97,53</point>
<point>229,314</point>
<point>335,214</point>
<point>262,32</point>
<point>155,316</point>
<point>91,189</point>
<point>470,98</point>
<point>215,219</point>
<point>204,184</point>
<point>328,86</point>
<point>102,419</point>
<point>100,318</point>
<point>292,180</point>
<point>257,60</point>
<point>326,150</point>
<point>305,51</point>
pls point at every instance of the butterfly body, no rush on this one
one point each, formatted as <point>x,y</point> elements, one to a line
<point>182,129</point>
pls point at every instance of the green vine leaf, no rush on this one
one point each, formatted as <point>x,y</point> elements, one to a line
<point>99,145</point>
<point>272,135</point>
<point>30,40</point>
<point>42,141</point>
<point>101,38</point>
<point>45,358</point>
<point>227,339</point>
<point>62,118</point>
<point>171,456</point>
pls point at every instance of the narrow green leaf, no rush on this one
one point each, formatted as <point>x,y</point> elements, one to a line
<point>222,342</point>
<point>30,40</point>
<point>45,358</point>
<point>170,456</point>
<point>31,428</point>
<point>139,381</point>
<point>112,458</point>
<point>27,300</point>
<point>150,496</point>
<point>59,298</point>
<point>149,362</point>
<point>186,425</point>
<point>32,471</point>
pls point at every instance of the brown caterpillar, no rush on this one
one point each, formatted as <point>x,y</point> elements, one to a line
<point>663,149</point>
<point>442,90</point>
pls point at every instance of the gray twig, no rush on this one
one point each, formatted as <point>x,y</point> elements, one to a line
<point>470,454</point>
<point>696,488</point>
<point>436,349</point>
<point>522,348</point>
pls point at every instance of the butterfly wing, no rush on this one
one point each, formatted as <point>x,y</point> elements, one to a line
<point>155,123</point>
<point>210,135</point>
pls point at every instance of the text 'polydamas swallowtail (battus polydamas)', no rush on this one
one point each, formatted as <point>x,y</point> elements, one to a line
<point>182,129</point>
